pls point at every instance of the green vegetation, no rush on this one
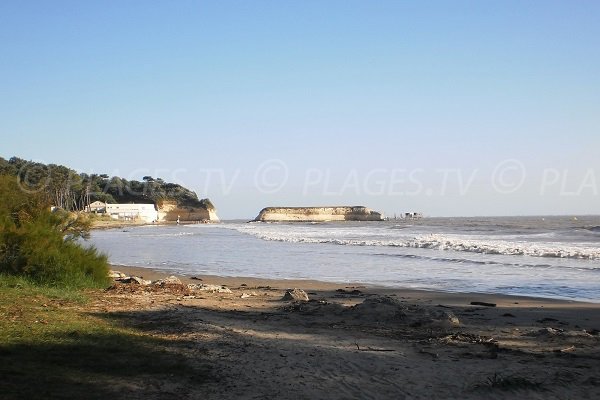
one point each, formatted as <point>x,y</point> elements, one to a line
<point>51,348</point>
<point>70,190</point>
<point>42,245</point>
<point>51,344</point>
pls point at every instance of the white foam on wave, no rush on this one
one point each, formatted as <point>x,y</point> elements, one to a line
<point>550,249</point>
<point>350,237</point>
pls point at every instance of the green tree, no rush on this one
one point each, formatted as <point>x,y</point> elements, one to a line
<point>65,188</point>
<point>44,245</point>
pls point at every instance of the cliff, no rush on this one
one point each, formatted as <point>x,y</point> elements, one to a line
<point>170,211</point>
<point>318,214</point>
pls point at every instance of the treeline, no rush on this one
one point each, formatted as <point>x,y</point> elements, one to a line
<point>43,245</point>
<point>72,191</point>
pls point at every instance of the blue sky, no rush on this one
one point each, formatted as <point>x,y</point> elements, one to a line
<point>445,107</point>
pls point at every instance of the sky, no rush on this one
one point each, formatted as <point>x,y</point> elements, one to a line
<point>450,108</point>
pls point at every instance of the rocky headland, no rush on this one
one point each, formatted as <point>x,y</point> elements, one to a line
<point>318,214</point>
<point>171,211</point>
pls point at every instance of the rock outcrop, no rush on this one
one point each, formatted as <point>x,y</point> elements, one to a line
<point>318,214</point>
<point>170,211</point>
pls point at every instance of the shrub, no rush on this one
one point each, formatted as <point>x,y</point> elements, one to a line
<point>42,245</point>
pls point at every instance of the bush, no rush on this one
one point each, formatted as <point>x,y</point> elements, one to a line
<point>42,245</point>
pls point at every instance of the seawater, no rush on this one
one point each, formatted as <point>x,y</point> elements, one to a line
<point>554,257</point>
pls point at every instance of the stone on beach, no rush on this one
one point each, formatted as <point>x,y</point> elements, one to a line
<point>295,294</point>
<point>116,274</point>
<point>171,280</point>
<point>209,288</point>
<point>136,280</point>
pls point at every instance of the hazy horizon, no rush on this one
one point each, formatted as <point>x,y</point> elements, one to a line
<point>448,108</point>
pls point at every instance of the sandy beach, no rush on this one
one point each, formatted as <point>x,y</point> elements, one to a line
<point>357,341</point>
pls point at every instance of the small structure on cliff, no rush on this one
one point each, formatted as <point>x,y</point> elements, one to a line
<point>318,214</point>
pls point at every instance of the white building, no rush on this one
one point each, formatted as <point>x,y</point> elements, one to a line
<point>96,207</point>
<point>145,212</point>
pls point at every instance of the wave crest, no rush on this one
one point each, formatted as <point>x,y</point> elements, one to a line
<point>438,242</point>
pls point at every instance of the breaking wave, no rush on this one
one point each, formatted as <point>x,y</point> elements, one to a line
<point>437,242</point>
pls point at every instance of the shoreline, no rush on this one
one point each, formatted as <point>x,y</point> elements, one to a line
<point>577,284</point>
<point>154,273</point>
<point>101,225</point>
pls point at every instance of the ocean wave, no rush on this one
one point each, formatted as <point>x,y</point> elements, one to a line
<point>441,242</point>
<point>478,262</point>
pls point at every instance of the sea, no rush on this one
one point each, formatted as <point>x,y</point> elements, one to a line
<point>550,257</point>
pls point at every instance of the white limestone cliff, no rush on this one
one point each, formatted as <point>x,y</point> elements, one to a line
<point>318,214</point>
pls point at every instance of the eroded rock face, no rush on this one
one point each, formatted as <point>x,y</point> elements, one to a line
<point>170,211</point>
<point>318,214</point>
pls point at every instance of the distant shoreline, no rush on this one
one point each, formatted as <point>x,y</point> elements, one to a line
<point>117,224</point>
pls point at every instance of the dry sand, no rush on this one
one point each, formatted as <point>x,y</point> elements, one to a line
<point>353,341</point>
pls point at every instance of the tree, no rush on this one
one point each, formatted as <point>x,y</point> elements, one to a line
<point>43,245</point>
<point>71,191</point>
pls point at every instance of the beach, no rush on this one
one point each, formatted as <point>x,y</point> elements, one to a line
<point>300,200</point>
<point>552,257</point>
<point>360,341</point>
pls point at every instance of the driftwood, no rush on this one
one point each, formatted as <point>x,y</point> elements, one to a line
<point>370,348</point>
<point>566,350</point>
<point>482,303</point>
